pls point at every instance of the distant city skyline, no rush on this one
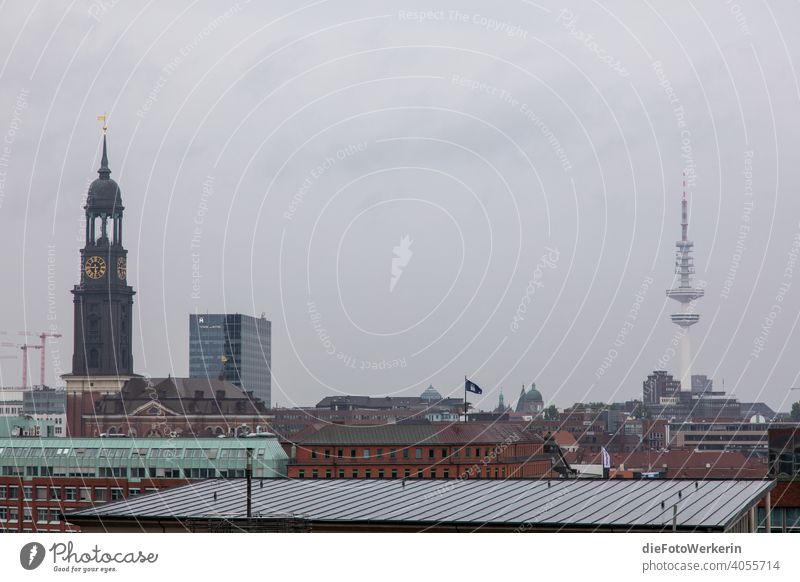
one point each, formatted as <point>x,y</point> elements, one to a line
<point>409,199</point>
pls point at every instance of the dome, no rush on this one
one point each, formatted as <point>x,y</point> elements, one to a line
<point>534,395</point>
<point>431,394</point>
<point>104,194</point>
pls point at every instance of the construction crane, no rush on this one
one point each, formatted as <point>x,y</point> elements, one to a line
<point>42,346</point>
<point>43,337</point>
<point>25,348</point>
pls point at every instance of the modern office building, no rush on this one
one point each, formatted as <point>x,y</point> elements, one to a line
<point>660,389</point>
<point>749,437</point>
<point>232,347</point>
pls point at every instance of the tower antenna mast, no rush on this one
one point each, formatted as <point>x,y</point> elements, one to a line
<point>685,293</point>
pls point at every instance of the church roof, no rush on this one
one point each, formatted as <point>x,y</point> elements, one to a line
<point>182,396</point>
<point>532,395</point>
<point>104,193</point>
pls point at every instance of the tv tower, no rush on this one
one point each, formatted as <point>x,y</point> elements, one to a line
<point>685,293</point>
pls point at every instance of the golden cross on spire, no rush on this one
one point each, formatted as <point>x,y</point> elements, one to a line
<point>103,119</point>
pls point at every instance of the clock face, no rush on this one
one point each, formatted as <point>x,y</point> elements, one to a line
<point>95,267</point>
<point>122,269</point>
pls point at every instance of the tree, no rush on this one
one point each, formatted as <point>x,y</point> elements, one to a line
<point>551,412</point>
<point>795,413</point>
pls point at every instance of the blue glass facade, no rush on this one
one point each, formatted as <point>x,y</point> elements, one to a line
<point>233,347</point>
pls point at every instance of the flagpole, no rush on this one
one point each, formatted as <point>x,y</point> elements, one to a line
<point>466,406</point>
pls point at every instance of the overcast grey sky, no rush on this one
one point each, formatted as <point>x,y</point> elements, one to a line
<point>273,159</point>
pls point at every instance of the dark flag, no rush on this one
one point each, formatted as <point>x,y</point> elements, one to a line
<point>470,386</point>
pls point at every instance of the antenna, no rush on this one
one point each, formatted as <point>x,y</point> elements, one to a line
<point>684,213</point>
<point>685,293</point>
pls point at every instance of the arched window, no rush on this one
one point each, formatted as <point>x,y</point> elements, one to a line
<point>94,358</point>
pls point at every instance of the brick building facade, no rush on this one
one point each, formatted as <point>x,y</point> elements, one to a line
<point>41,479</point>
<point>427,451</point>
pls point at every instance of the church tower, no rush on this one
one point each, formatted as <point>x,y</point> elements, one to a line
<point>102,359</point>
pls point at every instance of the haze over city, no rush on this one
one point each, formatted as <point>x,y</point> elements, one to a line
<point>411,195</point>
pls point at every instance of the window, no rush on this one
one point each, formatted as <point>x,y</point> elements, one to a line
<point>100,494</point>
<point>3,514</point>
<point>55,494</point>
<point>394,473</point>
<point>366,453</point>
<point>313,453</point>
<point>368,474</point>
<point>13,514</point>
<point>327,453</point>
<point>55,514</point>
<point>69,494</point>
<point>315,474</point>
<point>27,514</point>
<point>13,492</point>
<point>86,494</point>
<point>354,474</point>
<point>116,494</point>
<point>327,473</point>
<point>417,453</point>
<point>27,493</point>
<point>406,473</point>
<point>41,516</point>
<point>392,453</point>
<point>41,493</point>
<point>341,473</point>
<point>301,474</point>
<point>379,453</point>
<point>352,453</point>
<point>431,453</point>
<point>339,453</point>
<point>380,474</point>
<point>133,492</point>
<point>446,473</point>
<point>444,453</point>
<point>405,453</point>
<point>2,491</point>
<point>467,451</point>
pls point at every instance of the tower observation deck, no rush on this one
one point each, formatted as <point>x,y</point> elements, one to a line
<point>685,293</point>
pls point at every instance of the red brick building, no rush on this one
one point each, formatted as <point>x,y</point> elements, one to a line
<point>677,464</point>
<point>42,479</point>
<point>471,450</point>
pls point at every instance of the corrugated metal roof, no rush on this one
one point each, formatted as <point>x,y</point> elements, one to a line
<point>589,504</point>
